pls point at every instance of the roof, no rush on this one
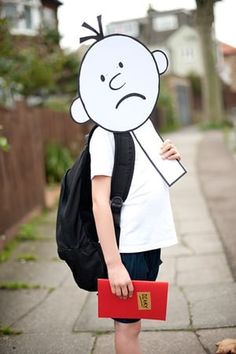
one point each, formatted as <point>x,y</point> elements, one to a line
<point>58,3</point>
<point>54,2</point>
<point>150,35</point>
<point>227,49</point>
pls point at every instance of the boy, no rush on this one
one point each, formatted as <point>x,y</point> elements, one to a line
<point>119,82</point>
<point>137,258</point>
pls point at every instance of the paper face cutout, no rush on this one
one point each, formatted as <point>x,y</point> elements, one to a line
<point>118,83</point>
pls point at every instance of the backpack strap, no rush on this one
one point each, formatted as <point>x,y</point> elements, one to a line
<point>122,175</point>
<point>89,135</point>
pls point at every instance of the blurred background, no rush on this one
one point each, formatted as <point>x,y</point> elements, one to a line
<point>40,55</point>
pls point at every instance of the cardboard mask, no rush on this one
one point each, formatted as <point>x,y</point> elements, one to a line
<point>118,82</point>
<point>118,85</point>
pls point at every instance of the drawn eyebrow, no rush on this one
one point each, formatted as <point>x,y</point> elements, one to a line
<point>130,95</point>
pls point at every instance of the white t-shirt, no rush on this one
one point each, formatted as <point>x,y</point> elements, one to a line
<point>146,216</point>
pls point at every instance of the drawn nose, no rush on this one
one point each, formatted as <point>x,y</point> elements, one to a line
<point>115,83</point>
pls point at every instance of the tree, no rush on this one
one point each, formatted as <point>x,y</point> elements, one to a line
<point>212,94</point>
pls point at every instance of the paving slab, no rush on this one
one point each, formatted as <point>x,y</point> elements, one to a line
<point>218,178</point>
<point>43,250</point>
<point>46,230</point>
<point>156,342</point>
<point>47,343</point>
<point>212,305</point>
<point>203,225</point>
<point>48,274</point>
<point>210,337</point>
<point>50,217</point>
<point>184,212</point>
<point>167,271</point>
<point>88,321</point>
<point>58,312</point>
<point>203,243</point>
<point>16,303</point>
<point>178,250</point>
<point>177,315</point>
<point>203,269</point>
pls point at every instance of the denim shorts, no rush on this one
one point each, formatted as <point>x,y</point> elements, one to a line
<point>141,266</point>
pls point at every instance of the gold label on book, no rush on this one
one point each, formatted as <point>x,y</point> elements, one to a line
<point>144,300</point>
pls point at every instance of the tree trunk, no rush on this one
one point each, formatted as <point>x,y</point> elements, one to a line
<point>212,93</point>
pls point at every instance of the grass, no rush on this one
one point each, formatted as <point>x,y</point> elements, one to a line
<point>215,125</point>
<point>27,232</point>
<point>27,257</point>
<point>8,331</point>
<point>5,254</point>
<point>18,286</point>
<point>169,128</point>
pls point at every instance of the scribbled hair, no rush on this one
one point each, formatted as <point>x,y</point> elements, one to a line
<point>98,35</point>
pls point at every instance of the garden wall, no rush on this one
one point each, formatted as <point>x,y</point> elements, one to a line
<point>22,176</point>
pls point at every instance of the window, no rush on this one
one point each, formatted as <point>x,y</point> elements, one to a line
<point>49,17</point>
<point>131,28</point>
<point>165,23</point>
<point>10,12</point>
<point>187,54</point>
<point>28,17</point>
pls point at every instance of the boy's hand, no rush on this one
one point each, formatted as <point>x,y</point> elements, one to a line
<point>169,151</point>
<point>120,282</point>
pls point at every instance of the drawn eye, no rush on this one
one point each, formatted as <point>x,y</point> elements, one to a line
<point>102,77</point>
<point>121,64</point>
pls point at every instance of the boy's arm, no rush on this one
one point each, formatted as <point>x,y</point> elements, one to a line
<point>119,278</point>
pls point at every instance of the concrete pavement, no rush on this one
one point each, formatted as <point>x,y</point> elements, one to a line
<point>57,318</point>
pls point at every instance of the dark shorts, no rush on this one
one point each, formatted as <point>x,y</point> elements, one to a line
<point>141,266</point>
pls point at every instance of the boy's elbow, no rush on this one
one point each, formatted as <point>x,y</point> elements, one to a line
<point>100,204</point>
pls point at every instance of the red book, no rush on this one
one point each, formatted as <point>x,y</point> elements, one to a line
<point>149,300</point>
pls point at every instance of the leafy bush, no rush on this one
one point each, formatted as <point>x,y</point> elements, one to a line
<point>195,82</point>
<point>57,160</point>
<point>33,74</point>
<point>38,69</point>
<point>165,104</point>
<point>4,145</point>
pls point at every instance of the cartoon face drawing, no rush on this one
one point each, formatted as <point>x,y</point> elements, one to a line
<point>118,83</point>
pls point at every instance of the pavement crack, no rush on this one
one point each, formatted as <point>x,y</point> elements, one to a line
<point>176,272</point>
<point>189,307</point>
<point>81,311</point>
<point>63,280</point>
<point>94,344</point>
<point>200,342</point>
<point>31,309</point>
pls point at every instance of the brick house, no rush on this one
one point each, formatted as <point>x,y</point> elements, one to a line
<point>228,64</point>
<point>27,17</point>
<point>173,31</point>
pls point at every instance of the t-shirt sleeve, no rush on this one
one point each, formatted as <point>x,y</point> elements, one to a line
<point>102,150</point>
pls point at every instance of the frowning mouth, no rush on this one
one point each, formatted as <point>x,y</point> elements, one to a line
<point>128,96</point>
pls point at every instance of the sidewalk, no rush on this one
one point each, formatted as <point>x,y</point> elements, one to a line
<point>59,318</point>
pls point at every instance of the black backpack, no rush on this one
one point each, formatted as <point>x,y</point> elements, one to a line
<point>76,235</point>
